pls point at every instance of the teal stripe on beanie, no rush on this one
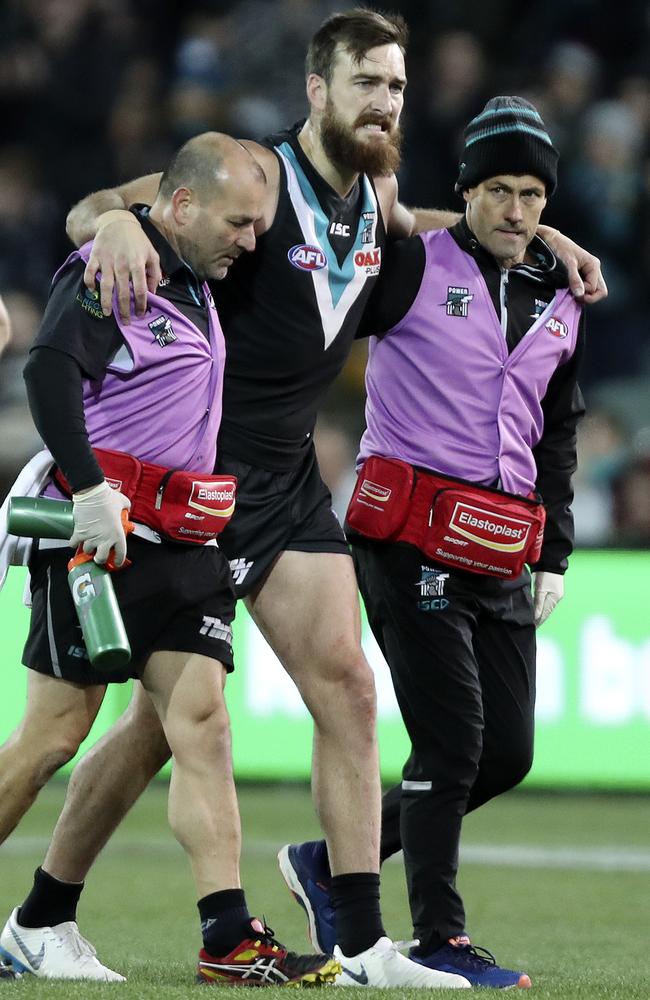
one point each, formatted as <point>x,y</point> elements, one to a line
<point>504,139</point>
<point>500,129</point>
<point>521,111</point>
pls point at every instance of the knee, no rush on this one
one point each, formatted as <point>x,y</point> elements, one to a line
<point>453,771</point>
<point>343,686</point>
<point>357,684</point>
<point>506,770</point>
<point>52,752</point>
<point>200,730</point>
<point>48,764</point>
<point>516,756</point>
<point>520,764</point>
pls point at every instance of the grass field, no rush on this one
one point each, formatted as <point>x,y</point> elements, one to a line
<point>556,885</point>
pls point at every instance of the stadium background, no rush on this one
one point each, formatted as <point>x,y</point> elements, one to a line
<point>93,92</point>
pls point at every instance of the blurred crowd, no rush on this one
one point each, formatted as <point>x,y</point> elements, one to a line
<point>94,92</point>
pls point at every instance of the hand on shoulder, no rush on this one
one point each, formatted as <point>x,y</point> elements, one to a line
<point>126,259</point>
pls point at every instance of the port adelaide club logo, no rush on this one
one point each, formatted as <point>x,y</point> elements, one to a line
<point>458,300</point>
<point>163,331</point>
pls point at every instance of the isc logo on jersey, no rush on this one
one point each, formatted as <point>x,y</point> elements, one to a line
<point>306,257</point>
<point>369,260</point>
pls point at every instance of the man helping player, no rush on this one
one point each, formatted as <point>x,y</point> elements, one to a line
<point>288,322</point>
<point>106,397</point>
<point>472,410</point>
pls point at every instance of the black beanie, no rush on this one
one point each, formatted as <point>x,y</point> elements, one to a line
<point>508,137</point>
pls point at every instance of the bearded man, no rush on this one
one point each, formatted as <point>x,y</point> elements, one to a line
<point>289,315</point>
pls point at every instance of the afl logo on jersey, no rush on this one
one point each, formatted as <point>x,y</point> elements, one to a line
<point>306,257</point>
<point>557,327</point>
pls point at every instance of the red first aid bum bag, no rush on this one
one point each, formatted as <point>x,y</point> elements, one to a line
<point>183,506</point>
<point>469,527</point>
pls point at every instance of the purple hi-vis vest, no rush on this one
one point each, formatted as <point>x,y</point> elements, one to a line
<point>443,391</point>
<point>160,398</point>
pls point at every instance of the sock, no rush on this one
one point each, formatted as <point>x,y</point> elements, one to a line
<point>432,942</point>
<point>224,921</point>
<point>355,898</point>
<point>50,901</point>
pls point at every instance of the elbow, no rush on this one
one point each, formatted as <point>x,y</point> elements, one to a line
<point>5,327</point>
<point>72,228</point>
<point>37,374</point>
<point>31,375</point>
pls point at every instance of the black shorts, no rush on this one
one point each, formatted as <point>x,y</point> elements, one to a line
<point>276,512</point>
<point>173,597</point>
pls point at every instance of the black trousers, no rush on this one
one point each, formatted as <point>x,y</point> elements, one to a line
<point>461,650</point>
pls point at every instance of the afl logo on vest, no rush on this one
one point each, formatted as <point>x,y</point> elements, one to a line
<point>306,257</point>
<point>557,327</point>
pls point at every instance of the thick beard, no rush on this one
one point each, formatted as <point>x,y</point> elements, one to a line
<point>347,151</point>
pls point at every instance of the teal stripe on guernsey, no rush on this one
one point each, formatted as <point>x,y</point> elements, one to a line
<point>512,110</point>
<point>501,129</point>
<point>339,277</point>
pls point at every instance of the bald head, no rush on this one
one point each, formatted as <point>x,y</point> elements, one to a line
<point>209,199</point>
<point>204,163</point>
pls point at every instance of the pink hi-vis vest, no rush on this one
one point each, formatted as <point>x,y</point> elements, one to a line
<point>160,398</point>
<point>443,391</point>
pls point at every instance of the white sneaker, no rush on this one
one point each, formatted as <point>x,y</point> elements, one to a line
<point>58,952</point>
<point>384,965</point>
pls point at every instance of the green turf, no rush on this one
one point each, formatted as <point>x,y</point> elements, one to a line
<point>580,932</point>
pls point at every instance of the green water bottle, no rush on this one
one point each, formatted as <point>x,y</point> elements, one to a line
<point>40,517</point>
<point>98,611</point>
<point>90,584</point>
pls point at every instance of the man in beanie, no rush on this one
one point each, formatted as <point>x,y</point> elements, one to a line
<point>473,399</point>
<point>508,133</point>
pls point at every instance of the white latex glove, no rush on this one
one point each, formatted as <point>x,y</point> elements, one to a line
<point>98,522</point>
<point>548,591</point>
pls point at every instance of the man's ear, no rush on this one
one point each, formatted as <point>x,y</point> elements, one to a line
<point>182,204</point>
<point>316,92</point>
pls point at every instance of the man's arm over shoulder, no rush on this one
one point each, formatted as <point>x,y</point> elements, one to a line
<point>83,219</point>
<point>556,458</point>
<point>586,279</point>
<point>121,250</point>
<point>401,221</point>
<point>399,282</point>
<point>585,276</point>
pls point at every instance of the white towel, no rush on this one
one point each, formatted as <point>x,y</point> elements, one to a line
<point>31,480</point>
